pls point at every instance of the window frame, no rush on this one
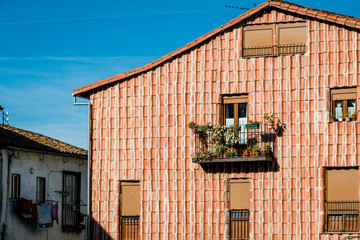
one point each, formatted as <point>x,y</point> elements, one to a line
<point>75,208</point>
<point>40,197</point>
<point>235,99</point>
<point>275,49</point>
<point>15,191</point>
<point>339,213</point>
<point>344,95</point>
<point>239,222</point>
<point>129,222</point>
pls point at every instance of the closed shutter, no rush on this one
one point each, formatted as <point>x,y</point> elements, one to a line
<point>130,196</point>
<point>342,184</point>
<point>239,194</point>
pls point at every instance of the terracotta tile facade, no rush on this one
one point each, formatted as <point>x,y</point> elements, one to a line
<point>139,132</point>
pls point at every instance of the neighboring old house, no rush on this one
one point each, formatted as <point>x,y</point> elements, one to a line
<point>39,172</point>
<point>152,178</point>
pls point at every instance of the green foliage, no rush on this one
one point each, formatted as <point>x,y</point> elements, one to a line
<point>203,154</point>
<point>267,147</point>
<point>347,114</point>
<point>255,149</point>
<point>254,122</point>
<point>192,124</point>
<point>270,117</point>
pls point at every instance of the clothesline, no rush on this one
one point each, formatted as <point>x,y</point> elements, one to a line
<point>44,213</point>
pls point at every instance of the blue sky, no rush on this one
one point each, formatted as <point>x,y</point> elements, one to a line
<point>48,48</point>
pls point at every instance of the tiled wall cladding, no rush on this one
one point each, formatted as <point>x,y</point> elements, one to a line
<point>140,133</point>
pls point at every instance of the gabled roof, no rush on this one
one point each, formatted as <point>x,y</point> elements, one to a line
<point>17,138</point>
<point>322,15</point>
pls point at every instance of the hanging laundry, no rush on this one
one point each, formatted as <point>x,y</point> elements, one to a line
<point>44,216</point>
<point>54,213</point>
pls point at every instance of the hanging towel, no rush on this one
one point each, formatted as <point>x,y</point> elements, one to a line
<point>44,216</point>
<point>54,213</point>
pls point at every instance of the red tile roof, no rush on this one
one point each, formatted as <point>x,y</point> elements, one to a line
<point>344,20</point>
<point>24,139</point>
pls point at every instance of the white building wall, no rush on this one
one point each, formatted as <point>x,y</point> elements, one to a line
<point>49,167</point>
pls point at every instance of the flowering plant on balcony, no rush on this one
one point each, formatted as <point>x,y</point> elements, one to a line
<point>232,136</point>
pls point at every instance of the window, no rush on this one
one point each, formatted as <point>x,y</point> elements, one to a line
<point>40,189</point>
<point>342,200</point>
<point>130,210</point>
<point>343,102</point>
<point>71,201</point>
<point>274,39</point>
<point>235,113</point>
<point>239,190</point>
<point>15,186</point>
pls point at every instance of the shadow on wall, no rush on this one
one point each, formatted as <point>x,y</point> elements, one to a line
<point>98,232</point>
<point>241,167</point>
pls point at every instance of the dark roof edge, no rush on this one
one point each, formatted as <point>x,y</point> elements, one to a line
<point>47,152</point>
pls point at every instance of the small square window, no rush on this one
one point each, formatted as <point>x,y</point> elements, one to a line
<point>343,102</point>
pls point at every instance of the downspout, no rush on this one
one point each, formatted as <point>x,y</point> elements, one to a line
<point>3,236</point>
<point>88,167</point>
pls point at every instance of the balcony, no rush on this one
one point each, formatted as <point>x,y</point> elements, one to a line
<point>244,143</point>
<point>273,50</point>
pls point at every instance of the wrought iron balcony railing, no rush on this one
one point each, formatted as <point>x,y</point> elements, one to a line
<point>243,143</point>
<point>274,50</point>
<point>342,216</point>
<point>239,224</point>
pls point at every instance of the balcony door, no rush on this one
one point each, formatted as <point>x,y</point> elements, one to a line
<point>235,113</point>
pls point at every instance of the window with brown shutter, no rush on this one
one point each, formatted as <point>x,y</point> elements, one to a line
<point>239,193</point>
<point>343,103</point>
<point>274,39</point>
<point>258,41</point>
<point>130,210</point>
<point>342,200</point>
<point>292,38</point>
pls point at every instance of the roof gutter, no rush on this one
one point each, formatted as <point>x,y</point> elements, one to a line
<point>47,152</point>
<point>88,165</point>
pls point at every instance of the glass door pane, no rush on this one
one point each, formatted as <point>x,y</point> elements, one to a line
<point>242,112</point>
<point>338,109</point>
<point>351,106</point>
<point>229,114</point>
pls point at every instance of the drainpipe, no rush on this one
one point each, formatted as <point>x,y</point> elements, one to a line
<point>3,236</point>
<point>88,166</point>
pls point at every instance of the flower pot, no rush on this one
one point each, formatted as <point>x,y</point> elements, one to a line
<point>332,119</point>
<point>246,154</point>
<point>340,119</point>
<point>347,119</point>
<point>354,118</point>
<point>252,126</point>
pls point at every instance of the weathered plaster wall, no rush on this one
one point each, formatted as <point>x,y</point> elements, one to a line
<point>48,167</point>
<point>140,133</point>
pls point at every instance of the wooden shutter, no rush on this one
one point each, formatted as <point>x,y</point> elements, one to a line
<point>258,36</point>
<point>130,198</point>
<point>342,184</point>
<point>239,194</point>
<point>235,99</point>
<point>343,94</point>
<point>292,33</point>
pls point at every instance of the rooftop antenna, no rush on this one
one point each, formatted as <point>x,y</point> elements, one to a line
<point>242,8</point>
<point>5,116</point>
